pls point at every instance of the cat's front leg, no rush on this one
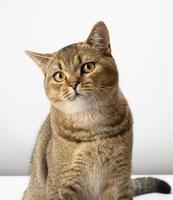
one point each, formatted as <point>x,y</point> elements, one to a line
<point>63,194</point>
<point>61,189</point>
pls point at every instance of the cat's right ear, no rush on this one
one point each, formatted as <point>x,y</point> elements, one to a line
<point>99,37</point>
<point>40,59</point>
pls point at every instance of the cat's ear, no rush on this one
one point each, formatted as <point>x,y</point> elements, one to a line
<point>40,59</point>
<point>99,36</point>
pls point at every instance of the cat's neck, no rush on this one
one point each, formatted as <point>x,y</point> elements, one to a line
<point>98,122</point>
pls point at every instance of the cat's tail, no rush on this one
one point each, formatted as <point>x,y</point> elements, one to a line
<point>149,184</point>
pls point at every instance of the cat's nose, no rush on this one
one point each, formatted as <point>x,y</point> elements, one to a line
<point>74,84</point>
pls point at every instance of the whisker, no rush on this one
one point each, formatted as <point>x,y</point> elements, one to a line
<point>100,102</point>
<point>107,92</point>
<point>107,87</point>
<point>86,88</point>
<point>104,90</point>
<point>65,92</point>
<point>66,96</point>
<point>95,102</point>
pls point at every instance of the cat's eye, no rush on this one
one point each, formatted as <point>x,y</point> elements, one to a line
<point>59,76</point>
<point>88,67</point>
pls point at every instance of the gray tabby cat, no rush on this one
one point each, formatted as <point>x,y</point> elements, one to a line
<point>84,148</point>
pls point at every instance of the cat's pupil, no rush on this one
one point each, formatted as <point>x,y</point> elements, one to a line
<point>88,66</point>
<point>60,75</point>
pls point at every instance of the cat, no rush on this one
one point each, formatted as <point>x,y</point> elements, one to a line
<point>84,148</point>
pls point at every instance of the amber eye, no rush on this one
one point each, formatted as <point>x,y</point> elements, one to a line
<point>88,67</point>
<point>59,76</point>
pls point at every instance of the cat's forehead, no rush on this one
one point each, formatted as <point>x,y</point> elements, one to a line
<point>76,54</point>
<point>70,54</point>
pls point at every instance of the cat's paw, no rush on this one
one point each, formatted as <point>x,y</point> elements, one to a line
<point>66,194</point>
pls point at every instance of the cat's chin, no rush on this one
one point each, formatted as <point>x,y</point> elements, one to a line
<point>77,105</point>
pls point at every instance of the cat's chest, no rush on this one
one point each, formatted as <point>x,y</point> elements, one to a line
<point>94,160</point>
<point>94,180</point>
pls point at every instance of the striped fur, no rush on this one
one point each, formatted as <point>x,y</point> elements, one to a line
<point>148,185</point>
<point>84,148</point>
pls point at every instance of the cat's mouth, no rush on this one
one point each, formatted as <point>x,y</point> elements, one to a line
<point>76,95</point>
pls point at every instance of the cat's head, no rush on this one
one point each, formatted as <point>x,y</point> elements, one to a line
<point>81,76</point>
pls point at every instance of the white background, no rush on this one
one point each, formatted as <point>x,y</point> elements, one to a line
<point>142,43</point>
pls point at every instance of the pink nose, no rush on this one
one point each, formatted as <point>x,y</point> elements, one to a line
<point>74,84</point>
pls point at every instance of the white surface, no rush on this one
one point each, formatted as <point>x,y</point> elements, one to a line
<point>12,188</point>
<point>142,44</point>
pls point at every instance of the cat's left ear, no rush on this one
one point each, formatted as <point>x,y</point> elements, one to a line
<point>41,60</point>
<point>99,36</point>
